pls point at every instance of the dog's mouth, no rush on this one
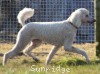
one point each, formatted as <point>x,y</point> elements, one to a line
<point>92,21</point>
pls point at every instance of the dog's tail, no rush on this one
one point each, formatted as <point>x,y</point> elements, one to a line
<point>24,14</point>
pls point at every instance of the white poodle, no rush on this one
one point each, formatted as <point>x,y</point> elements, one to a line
<point>58,34</point>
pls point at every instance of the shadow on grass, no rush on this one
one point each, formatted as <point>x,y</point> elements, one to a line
<point>0,64</point>
<point>74,62</point>
<point>28,62</point>
<point>1,54</point>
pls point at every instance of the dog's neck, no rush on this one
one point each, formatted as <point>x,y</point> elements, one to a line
<point>75,22</point>
<point>73,25</point>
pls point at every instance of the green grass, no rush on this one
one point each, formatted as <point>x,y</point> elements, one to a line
<point>62,63</point>
<point>22,65</point>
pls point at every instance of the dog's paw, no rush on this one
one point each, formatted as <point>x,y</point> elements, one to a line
<point>88,61</point>
<point>36,59</point>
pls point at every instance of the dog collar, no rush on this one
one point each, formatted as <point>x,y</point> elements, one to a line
<point>73,25</point>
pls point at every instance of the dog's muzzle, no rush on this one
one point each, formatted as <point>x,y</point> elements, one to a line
<point>92,21</point>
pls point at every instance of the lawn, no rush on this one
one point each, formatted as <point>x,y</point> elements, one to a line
<point>62,63</point>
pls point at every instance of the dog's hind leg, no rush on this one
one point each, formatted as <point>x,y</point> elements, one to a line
<point>22,41</point>
<point>51,54</point>
<point>35,43</point>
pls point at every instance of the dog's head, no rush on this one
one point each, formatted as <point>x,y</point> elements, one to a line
<point>81,16</point>
<point>85,17</point>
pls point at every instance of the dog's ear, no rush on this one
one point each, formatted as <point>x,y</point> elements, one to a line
<point>75,18</point>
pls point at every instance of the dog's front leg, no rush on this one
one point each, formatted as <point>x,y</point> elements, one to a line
<point>79,51</point>
<point>51,54</point>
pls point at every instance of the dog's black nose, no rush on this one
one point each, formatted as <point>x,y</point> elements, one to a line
<point>94,20</point>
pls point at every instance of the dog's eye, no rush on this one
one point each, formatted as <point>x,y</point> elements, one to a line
<point>86,15</point>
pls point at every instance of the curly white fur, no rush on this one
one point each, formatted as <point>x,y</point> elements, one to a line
<point>59,34</point>
<point>24,15</point>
